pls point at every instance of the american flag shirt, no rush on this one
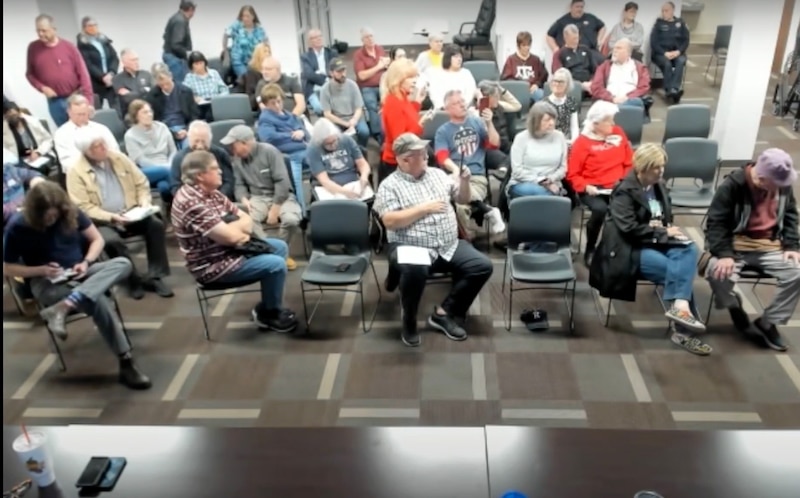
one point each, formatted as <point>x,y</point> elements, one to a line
<point>437,232</point>
<point>464,143</point>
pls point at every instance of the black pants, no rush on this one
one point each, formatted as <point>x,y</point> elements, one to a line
<point>598,205</point>
<point>384,170</point>
<point>106,94</point>
<point>672,71</point>
<point>470,269</point>
<point>496,159</point>
<point>152,229</point>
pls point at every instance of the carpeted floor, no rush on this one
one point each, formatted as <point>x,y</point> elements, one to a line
<point>626,376</point>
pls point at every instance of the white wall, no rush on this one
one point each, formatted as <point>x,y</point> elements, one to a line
<point>395,23</point>
<point>139,25</point>
<point>18,31</point>
<point>509,21</point>
<point>715,13</point>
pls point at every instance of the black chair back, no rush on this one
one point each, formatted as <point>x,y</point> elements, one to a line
<point>483,70</point>
<point>485,19</point>
<point>429,128</point>
<point>339,223</point>
<point>221,128</point>
<point>692,157</point>
<point>521,90</point>
<point>232,106</point>
<point>631,120</point>
<point>722,38</point>
<point>540,219</point>
<point>111,120</point>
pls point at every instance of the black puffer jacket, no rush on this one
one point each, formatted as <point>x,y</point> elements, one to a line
<point>94,59</point>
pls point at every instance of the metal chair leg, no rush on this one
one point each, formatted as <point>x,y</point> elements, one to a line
<point>305,307</point>
<point>507,316</point>
<point>62,365</point>
<point>608,312</point>
<point>202,302</point>
<point>380,298</point>
<point>121,320</point>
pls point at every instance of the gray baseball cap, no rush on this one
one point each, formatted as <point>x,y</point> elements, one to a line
<point>408,142</point>
<point>239,133</point>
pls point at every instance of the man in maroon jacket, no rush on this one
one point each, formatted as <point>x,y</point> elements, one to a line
<point>522,65</point>
<point>621,80</point>
<point>55,68</point>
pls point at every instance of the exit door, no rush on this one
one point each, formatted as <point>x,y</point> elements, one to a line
<point>313,14</point>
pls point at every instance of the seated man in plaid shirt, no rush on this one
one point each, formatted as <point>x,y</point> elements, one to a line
<point>415,206</point>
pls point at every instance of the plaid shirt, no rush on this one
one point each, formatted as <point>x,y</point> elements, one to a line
<point>194,214</point>
<point>438,232</point>
<point>206,86</point>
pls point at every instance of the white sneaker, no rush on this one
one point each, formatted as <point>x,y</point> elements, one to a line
<point>496,223</point>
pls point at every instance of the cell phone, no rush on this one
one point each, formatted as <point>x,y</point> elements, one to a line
<point>93,472</point>
<point>110,478</point>
<point>343,267</point>
<point>483,103</point>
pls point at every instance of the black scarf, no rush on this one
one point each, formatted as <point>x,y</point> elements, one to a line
<point>22,152</point>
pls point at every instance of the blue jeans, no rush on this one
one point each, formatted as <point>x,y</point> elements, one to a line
<point>159,177</point>
<point>270,269</point>
<point>672,267</point>
<point>182,144</point>
<point>527,189</point>
<point>634,102</point>
<point>672,70</point>
<point>177,67</point>
<point>362,133</point>
<point>58,110</point>
<point>314,104</point>
<point>372,99</point>
<point>297,158</point>
<point>537,95</point>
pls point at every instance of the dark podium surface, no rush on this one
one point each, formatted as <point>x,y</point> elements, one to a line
<point>617,464</point>
<point>181,462</point>
<point>437,462</point>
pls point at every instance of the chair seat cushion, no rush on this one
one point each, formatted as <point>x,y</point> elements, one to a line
<point>220,286</point>
<point>752,273</point>
<point>322,269</point>
<point>467,39</point>
<point>552,268</point>
<point>691,197</point>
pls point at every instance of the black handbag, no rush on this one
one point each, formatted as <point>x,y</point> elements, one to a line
<point>253,247</point>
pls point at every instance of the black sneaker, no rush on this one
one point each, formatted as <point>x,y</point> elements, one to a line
<point>282,321</point>
<point>159,287</point>
<point>770,335</point>
<point>448,325</point>
<point>739,318</point>
<point>410,337</point>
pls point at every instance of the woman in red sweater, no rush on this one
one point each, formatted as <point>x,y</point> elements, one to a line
<point>599,158</point>
<point>400,111</point>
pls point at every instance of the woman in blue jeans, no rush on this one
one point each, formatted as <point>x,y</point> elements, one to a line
<point>640,242</point>
<point>150,145</point>
<point>538,155</point>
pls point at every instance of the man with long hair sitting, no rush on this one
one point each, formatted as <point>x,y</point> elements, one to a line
<point>55,246</point>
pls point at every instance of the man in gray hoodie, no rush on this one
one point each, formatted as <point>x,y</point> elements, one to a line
<point>263,185</point>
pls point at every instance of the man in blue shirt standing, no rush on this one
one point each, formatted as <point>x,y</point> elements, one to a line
<point>462,142</point>
<point>669,40</point>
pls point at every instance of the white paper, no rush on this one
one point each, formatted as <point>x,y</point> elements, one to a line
<point>140,212</point>
<point>62,277</point>
<point>38,162</point>
<point>324,195</point>
<point>413,255</point>
<point>604,191</point>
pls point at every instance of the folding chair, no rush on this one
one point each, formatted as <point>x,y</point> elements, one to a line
<point>748,275</point>
<point>641,281</point>
<point>687,120</point>
<point>77,316</point>
<point>631,120</point>
<point>696,159</point>
<point>521,91</point>
<point>213,290</point>
<point>483,70</point>
<point>339,223</point>
<point>220,128</point>
<point>232,106</point>
<point>430,127</point>
<point>722,39</point>
<point>111,120</point>
<point>540,219</point>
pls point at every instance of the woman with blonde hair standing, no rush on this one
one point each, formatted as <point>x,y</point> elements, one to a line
<point>400,111</point>
<point>640,241</point>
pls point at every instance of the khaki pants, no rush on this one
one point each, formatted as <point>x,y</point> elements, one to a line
<point>289,218</point>
<point>478,191</point>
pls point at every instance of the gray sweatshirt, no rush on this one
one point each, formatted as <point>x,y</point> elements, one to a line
<point>634,33</point>
<point>153,147</point>
<point>536,159</point>
<point>261,174</point>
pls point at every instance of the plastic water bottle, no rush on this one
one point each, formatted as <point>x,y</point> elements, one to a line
<point>514,494</point>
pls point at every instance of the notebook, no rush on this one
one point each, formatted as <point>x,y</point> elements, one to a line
<point>140,212</point>
<point>62,277</point>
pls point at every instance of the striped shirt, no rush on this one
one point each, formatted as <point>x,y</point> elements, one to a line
<point>437,232</point>
<point>194,214</point>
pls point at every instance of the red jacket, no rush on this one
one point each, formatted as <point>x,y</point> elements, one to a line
<point>399,115</point>
<point>600,80</point>
<point>531,70</point>
<point>599,163</point>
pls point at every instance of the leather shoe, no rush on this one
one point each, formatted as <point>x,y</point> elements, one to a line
<point>131,377</point>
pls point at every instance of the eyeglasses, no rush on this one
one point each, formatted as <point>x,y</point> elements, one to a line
<point>19,490</point>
